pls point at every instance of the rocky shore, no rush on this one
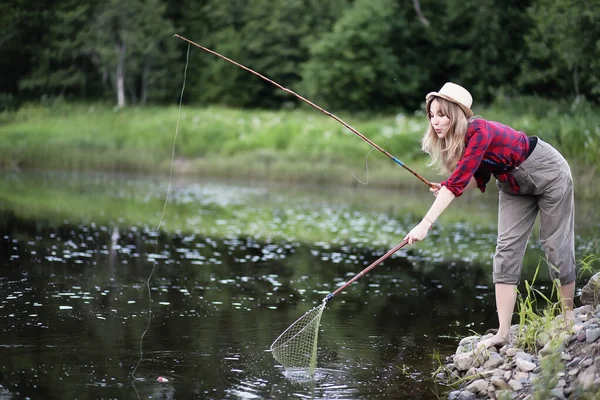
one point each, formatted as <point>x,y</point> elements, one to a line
<point>564,362</point>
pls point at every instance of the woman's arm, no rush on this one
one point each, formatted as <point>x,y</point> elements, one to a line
<point>443,199</point>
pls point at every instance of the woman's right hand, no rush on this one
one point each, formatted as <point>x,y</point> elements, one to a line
<point>435,189</point>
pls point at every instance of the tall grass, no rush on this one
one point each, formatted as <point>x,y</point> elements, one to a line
<point>61,135</point>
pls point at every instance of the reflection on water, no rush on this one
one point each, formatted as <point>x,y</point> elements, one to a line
<point>233,268</point>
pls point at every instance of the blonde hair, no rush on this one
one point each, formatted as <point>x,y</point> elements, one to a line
<point>446,152</point>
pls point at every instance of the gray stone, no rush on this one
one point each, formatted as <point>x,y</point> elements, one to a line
<point>591,335</point>
<point>521,376</point>
<point>557,394</point>
<point>586,379</point>
<point>524,365</point>
<point>515,385</point>
<point>590,293</point>
<point>464,361</point>
<point>512,351</point>
<point>454,395</point>
<point>468,341</point>
<point>466,395</point>
<point>523,356</point>
<point>494,362</point>
<point>587,362</point>
<point>480,385</point>
<point>499,383</point>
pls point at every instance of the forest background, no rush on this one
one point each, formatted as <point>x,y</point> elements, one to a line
<point>533,64</point>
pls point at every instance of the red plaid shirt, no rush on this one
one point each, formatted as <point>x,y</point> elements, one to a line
<point>490,148</point>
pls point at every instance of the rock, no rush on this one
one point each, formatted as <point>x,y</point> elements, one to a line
<point>513,351</point>
<point>524,365</point>
<point>566,357</point>
<point>466,395</point>
<point>587,362</point>
<point>568,390</point>
<point>586,379</point>
<point>557,394</point>
<point>494,362</point>
<point>523,356</point>
<point>464,361</point>
<point>499,383</point>
<point>591,335</point>
<point>574,362</point>
<point>590,293</point>
<point>521,376</point>
<point>453,395</point>
<point>515,385</point>
<point>480,385</point>
<point>468,341</point>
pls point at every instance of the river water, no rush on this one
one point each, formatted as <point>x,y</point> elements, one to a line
<point>109,286</point>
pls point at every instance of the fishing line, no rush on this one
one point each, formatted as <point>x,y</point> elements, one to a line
<point>367,168</point>
<point>187,60</point>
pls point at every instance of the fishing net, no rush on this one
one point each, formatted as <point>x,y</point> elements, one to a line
<point>296,347</point>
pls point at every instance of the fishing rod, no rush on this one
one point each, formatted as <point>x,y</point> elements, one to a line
<point>363,137</point>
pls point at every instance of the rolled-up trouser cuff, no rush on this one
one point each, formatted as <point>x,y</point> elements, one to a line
<point>514,279</point>
<point>571,276</point>
<point>507,279</point>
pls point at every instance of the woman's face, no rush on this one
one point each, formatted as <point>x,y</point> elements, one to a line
<point>439,121</point>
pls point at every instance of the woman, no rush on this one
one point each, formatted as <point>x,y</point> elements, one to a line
<point>532,178</point>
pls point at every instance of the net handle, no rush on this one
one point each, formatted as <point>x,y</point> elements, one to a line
<point>370,267</point>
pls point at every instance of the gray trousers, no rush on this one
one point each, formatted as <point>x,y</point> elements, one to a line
<point>546,186</point>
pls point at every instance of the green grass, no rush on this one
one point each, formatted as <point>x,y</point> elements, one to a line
<point>301,145</point>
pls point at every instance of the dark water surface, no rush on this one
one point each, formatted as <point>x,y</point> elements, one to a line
<point>232,267</point>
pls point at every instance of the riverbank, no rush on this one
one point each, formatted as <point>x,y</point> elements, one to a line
<point>296,146</point>
<point>545,359</point>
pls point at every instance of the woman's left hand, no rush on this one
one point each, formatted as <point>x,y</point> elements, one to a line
<point>418,232</point>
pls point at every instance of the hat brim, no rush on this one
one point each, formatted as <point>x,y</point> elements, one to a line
<point>466,109</point>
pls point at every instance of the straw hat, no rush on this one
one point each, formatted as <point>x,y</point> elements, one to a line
<point>456,94</point>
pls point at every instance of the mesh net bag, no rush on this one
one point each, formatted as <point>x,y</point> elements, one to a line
<point>296,347</point>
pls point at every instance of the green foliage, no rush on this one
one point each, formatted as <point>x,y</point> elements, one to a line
<point>354,66</point>
<point>564,48</point>
<point>481,42</point>
<point>535,327</point>
<point>374,55</point>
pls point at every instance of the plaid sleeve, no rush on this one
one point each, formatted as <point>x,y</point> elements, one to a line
<point>478,140</point>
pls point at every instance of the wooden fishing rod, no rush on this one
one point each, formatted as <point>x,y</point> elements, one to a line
<point>363,137</point>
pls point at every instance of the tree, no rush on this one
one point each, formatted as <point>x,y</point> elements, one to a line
<point>564,48</point>
<point>62,65</point>
<point>354,66</point>
<point>131,43</point>
<point>482,44</point>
